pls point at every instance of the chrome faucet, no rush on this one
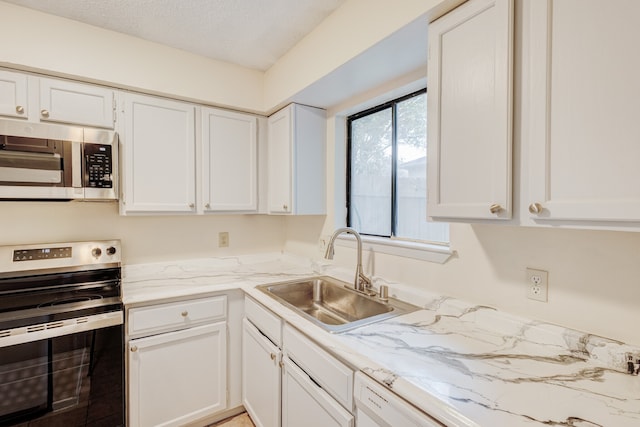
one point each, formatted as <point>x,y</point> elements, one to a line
<point>361,283</point>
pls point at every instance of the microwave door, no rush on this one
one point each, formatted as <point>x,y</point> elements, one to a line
<point>25,168</point>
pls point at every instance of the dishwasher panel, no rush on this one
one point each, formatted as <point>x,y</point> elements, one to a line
<point>376,406</point>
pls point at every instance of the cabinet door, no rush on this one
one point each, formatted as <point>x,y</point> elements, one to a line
<point>583,139</point>
<point>229,161</point>
<point>177,377</point>
<point>13,94</point>
<point>296,161</point>
<point>260,377</point>
<point>279,161</point>
<point>159,155</point>
<point>305,403</point>
<point>76,103</point>
<point>469,109</point>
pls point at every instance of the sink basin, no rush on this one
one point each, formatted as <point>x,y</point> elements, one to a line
<point>332,304</point>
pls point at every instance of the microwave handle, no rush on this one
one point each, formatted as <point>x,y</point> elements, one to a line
<point>78,164</point>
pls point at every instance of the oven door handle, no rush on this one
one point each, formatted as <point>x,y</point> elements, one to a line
<point>59,328</point>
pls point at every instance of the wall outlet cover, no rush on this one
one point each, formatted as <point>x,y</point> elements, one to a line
<point>223,239</point>
<point>537,285</point>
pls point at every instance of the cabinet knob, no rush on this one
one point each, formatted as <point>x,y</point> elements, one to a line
<point>273,356</point>
<point>134,348</point>
<point>495,208</point>
<point>208,206</point>
<point>19,109</point>
<point>285,207</point>
<point>184,313</point>
<point>281,364</point>
<point>192,205</point>
<point>45,113</point>
<point>535,208</point>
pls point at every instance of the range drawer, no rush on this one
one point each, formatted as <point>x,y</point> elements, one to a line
<point>267,322</point>
<point>176,315</point>
<point>334,377</point>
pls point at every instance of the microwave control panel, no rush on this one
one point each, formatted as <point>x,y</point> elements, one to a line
<point>98,166</point>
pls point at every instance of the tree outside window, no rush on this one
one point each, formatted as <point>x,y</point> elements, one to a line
<point>387,176</point>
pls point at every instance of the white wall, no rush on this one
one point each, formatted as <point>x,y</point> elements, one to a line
<point>348,32</point>
<point>144,238</point>
<point>37,41</point>
<point>594,276</point>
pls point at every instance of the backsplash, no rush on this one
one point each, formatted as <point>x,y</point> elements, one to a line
<point>499,327</point>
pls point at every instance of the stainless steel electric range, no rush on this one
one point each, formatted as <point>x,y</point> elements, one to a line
<point>61,335</point>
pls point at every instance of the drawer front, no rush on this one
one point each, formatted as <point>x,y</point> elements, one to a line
<point>267,322</point>
<point>176,315</point>
<point>334,377</point>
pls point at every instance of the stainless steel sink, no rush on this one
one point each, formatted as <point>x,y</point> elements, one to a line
<point>332,304</point>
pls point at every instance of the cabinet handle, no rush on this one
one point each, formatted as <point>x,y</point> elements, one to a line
<point>134,348</point>
<point>495,208</point>
<point>285,207</point>
<point>45,113</point>
<point>19,109</point>
<point>281,364</point>
<point>185,313</point>
<point>273,356</point>
<point>535,208</point>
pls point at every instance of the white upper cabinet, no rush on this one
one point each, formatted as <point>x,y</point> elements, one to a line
<point>229,161</point>
<point>76,103</point>
<point>158,156</point>
<point>13,95</point>
<point>582,112</point>
<point>37,99</point>
<point>296,161</point>
<point>469,108</point>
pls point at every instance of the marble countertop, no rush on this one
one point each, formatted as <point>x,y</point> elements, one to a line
<point>464,364</point>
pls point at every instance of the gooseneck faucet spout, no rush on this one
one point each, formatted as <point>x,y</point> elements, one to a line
<point>361,282</point>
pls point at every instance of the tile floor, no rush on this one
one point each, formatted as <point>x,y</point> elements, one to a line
<point>241,420</point>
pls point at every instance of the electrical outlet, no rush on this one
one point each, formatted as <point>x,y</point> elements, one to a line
<point>223,239</point>
<point>632,363</point>
<point>537,284</point>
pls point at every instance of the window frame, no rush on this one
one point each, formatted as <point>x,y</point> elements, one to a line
<point>394,163</point>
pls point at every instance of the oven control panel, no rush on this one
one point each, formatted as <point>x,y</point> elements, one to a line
<point>90,254</point>
<point>41,253</point>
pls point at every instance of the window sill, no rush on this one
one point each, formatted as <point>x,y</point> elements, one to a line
<point>402,248</point>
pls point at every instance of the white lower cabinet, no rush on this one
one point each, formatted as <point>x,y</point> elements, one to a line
<point>305,403</point>
<point>177,377</point>
<point>260,377</point>
<point>178,368</point>
<point>288,380</point>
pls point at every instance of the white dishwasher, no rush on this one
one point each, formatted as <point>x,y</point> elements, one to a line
<point>376,406</point>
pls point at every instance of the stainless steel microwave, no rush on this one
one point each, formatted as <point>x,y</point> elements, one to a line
<point>40,161</point>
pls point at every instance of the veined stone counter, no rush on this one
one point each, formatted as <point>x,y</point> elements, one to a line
<point>464,364</point>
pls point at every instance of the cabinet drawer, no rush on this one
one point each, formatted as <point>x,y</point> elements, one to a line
<point>334,377</point>
<point>176,315</point>
<point>267,322</point>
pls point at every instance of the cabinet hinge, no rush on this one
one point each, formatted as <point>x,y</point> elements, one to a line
<point>114,109</point>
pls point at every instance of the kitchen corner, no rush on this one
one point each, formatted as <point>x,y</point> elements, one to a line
<point>464,364</point>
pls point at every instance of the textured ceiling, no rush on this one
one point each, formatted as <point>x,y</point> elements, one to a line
<point>251,33</point>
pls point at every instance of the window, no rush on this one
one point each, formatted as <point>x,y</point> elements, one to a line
<point>386,171</point>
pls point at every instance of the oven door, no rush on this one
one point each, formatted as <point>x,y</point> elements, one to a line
<point>70,380</point>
